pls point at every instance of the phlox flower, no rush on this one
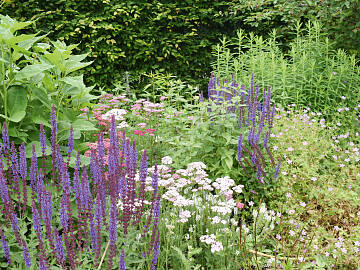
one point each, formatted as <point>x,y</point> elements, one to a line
<point>208,239</point>
<point>215,220</point>
<point>216,247</point>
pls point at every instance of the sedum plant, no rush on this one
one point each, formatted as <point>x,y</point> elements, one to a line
<point>33,77</point>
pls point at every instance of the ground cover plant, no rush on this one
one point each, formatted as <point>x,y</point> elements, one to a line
<point>235,180</point>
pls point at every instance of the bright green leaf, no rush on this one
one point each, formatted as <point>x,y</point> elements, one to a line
<point>16,102</point>
<point>32,70</point>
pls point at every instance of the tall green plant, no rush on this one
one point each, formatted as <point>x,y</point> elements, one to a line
<point>311,73</point>
<point>35,75</point>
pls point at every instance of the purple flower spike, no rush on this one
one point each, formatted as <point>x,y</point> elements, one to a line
<point>26,254</point>
<point>112,223</point>
<point>5,246</point>
<point>155,179</point>
<point>239,149</point>
<point>277,170</point>
<point>42,140</point>
<point>266,139</point>
<point>5,137</point>
<point>156,252</point>
<point>53,127</point>
<point>36,220</point>
<point>122,260</point>
<point>59,245</point>
<point>71,142</point>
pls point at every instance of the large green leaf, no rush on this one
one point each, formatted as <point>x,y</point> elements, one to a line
<point>83,125</point>
<point>32,70</point>
<point>76,81</point>
<point>37,149</point>
<point>41,95</point>
<point>16,102</point>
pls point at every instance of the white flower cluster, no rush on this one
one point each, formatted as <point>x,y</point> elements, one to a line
<point>118,113</point>
<point>211,240</point>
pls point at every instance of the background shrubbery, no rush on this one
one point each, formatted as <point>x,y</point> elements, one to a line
<point>174,37</point>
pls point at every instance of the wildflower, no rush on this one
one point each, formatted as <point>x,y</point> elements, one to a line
<point>305,143</point>
<point>291,211</point>
<point>303,204</point>
<point>217,246</point>
<point>313,178</point>
<point>290,149</point>
<point>288,195</point>
<point>291,232</point>
<point>166,160</point>
<point>240,205</point>
<point>163,98</point>
<point>251,203</point>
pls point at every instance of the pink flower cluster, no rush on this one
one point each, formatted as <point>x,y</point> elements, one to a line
<point>150,131</point>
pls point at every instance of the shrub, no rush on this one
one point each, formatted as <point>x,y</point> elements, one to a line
<point>35,76</point>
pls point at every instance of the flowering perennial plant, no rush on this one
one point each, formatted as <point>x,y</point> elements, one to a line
<point>89,203</point>
<point>252,114</point>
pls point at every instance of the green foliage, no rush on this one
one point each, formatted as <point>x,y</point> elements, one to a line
<point>135,36</point>
<point>34,76</point>
<point>338,17</point>
<point>311,73</point>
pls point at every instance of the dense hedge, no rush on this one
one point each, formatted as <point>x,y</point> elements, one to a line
<point>136,36</point>
<point>169,36</point>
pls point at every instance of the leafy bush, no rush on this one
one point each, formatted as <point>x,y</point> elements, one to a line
<point>134,36</point>
<point>311,73</point>
<point>35,76</point>
<point>338,17</point>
